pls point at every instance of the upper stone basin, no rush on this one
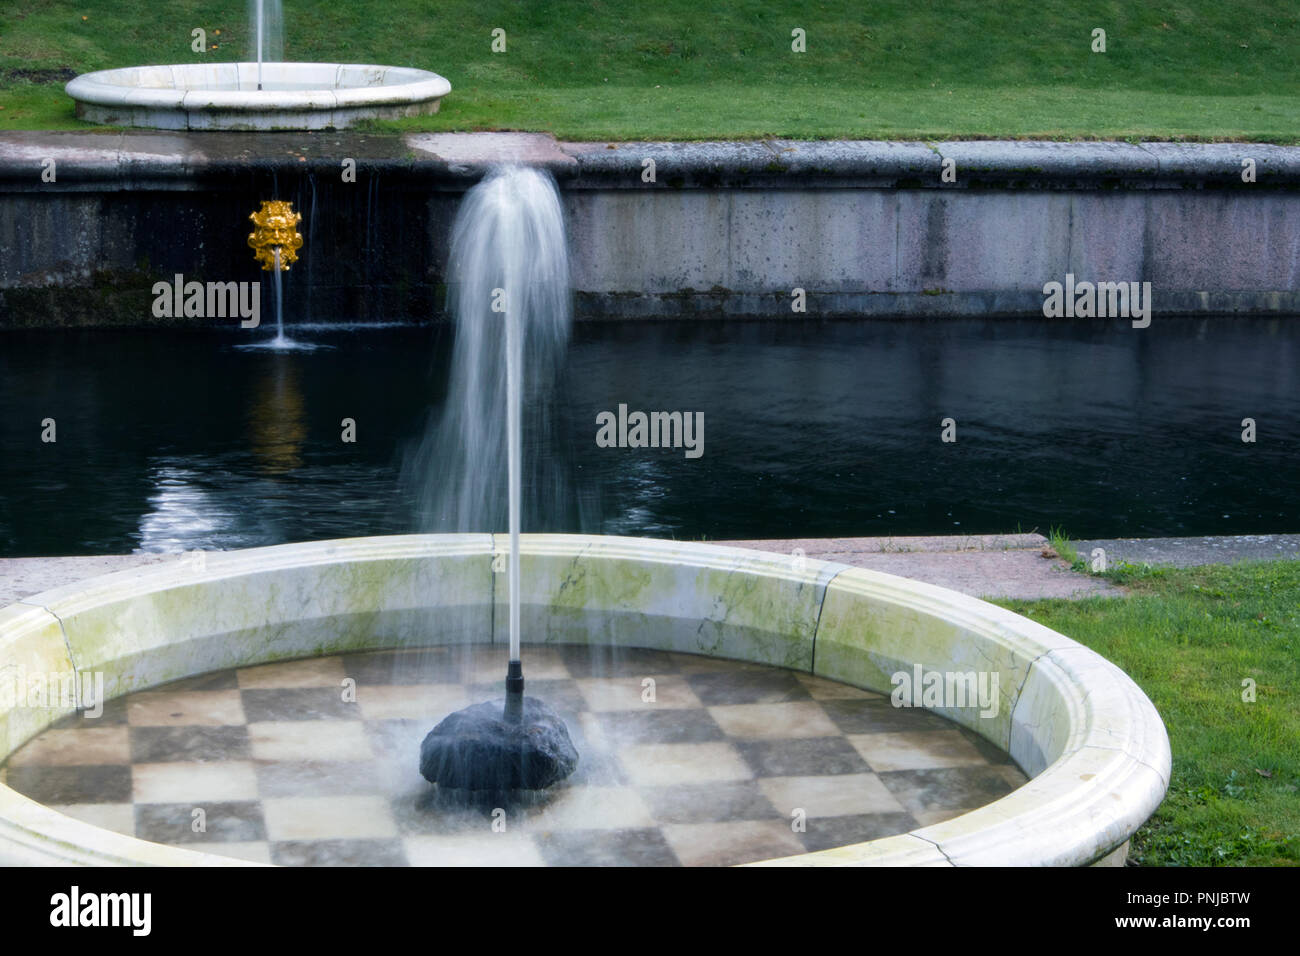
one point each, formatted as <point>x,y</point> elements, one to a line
<point>226,95</point>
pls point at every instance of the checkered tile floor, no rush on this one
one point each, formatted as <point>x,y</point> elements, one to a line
<point>273,764</point>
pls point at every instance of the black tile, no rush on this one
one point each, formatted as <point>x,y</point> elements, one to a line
<point>809,756</point>
<point>604,661</point>
<point>217,680</point>
<point>881,716</point>
<point>989,751</point>
<point>676,726</point>
<point>561,694</point>
<point>237,821</point>
<point>949,788</point>
<point>433,665</point>
<point>90,784</point>
<point>114,715</point>
<point>637,847</point>
<point>823,833</point>
<point>708,803</point>
<point>192,743</point>
<point>715,689</point>
<point>338,853</point>
<point>298,703</point>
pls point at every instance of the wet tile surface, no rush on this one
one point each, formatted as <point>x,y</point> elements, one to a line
<point>684,761</point>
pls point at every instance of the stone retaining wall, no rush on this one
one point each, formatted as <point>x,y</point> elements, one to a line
<point>724,229</point>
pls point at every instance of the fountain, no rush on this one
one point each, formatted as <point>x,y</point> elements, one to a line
<point>257,95</point>
<point>275,242</point>
<point>509,272</point>
<point>807,643</point>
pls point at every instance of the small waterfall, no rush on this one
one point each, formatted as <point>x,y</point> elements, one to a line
<point>280,341</point>
<point>311,244</point>
<point>508,240</point>
<point>279,301</point>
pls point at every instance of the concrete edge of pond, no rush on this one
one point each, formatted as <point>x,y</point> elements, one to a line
<point>181,159</point>
<point>772,229</point>
<point>1092,743</point>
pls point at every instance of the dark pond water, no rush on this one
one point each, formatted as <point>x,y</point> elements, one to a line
<point>170,440</point>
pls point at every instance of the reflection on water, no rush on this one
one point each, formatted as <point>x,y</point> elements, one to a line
<point>275,420</point>
<point>171,440</point>
<point>180,513</point>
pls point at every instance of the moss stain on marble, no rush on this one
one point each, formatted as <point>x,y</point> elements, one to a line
<point>31,645</point>
<point>865,644</point>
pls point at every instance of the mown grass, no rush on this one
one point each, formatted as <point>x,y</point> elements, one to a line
<point>1196,69</point>
<point>1191,639</point>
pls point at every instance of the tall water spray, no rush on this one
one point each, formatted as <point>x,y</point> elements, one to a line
<point>509,236</point>
<point>508,277</point>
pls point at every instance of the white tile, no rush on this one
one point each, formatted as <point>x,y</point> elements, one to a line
<point>730,843</point>
<point>252,852</point>
<point>833,795</point>
<point>487,849</point>
<point>671,692</point>
<point>212,708</point>
<point>592,808</point>
<point>930,817</point>
<point>79,747</point>
<point>775,721</point>
<point>488,665</point>
<point>916,750</point>
<point>328,818</point>
<point>194,783</point>
<point>651,765</point>
<point>118,817</point>
<point>309,740</point>
<point>822,689</point>
<point>429,702</point>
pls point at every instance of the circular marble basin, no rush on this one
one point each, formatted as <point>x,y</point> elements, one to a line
<point>226,95</point>
<point>685,760</point>
<point>1092,746</point>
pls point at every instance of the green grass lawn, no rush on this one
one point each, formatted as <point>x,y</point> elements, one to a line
<point>1196,69</point>
<point>1189,638</point>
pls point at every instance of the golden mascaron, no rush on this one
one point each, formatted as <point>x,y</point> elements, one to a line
<point>275,228</point>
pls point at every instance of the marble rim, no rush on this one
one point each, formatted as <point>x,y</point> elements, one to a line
<point>197,87</point>
<point>1092,743</point>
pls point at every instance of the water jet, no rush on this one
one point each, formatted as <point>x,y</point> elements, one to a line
<point>510,264</point>
<point>275,242</point>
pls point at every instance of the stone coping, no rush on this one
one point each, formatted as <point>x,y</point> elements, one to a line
<point>1091,741</point>
<point>117,159</point>
<point>226,95</point>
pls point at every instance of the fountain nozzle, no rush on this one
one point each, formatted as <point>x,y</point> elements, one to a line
<point>514,691</point>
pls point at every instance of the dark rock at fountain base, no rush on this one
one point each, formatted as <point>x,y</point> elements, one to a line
<point>479,749</point>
